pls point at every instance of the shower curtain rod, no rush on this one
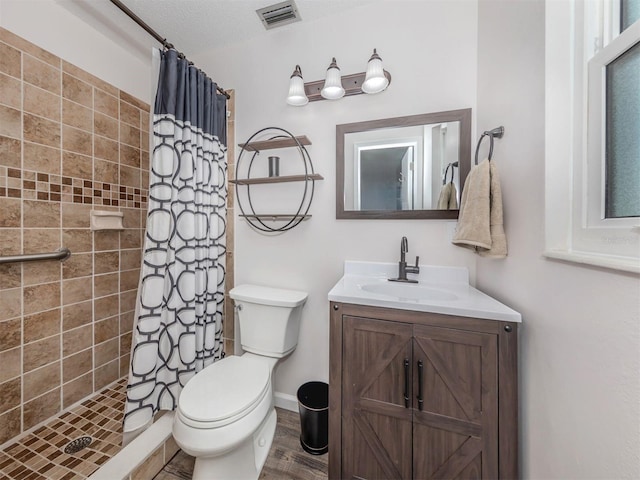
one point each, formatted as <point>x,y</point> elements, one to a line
<point>155,34</point>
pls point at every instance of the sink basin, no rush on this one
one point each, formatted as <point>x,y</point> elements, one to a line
<point>409,291</point>
<point>440,290</point>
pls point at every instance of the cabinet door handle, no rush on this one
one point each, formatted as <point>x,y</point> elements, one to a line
<point>420,372</point>
<point>406,383</point>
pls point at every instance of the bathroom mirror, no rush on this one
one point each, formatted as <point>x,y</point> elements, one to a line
<point>395,168</point>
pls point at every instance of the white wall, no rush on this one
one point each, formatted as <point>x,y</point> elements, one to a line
<point>580,345</point>
<point>430,50</point>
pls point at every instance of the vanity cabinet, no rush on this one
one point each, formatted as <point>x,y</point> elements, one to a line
<point>421,395</point>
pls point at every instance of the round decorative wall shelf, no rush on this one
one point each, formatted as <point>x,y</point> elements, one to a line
<point>270,138</point>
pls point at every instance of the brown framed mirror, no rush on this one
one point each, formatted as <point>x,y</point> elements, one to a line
<point>396,168</point>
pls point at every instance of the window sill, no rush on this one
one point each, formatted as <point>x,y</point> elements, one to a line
<point>624,264</point>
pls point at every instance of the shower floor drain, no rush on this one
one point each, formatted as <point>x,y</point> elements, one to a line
<point>74,446</point>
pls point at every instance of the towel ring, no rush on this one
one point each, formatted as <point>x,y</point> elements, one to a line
<point>496,132</point>
<point>452,165</point>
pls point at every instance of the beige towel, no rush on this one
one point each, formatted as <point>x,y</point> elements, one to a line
<point>448,199</point>
<point>498,238</point>
<point>480,221</point>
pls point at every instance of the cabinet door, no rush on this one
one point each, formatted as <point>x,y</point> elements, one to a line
<point>376,420</point>
<point>455,429</point>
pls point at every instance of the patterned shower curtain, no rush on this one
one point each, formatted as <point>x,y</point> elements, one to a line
<point>178,328</point>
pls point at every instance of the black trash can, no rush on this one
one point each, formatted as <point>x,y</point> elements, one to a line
<point>313,404</point>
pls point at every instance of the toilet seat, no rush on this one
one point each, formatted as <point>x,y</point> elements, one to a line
<point>224,392</point>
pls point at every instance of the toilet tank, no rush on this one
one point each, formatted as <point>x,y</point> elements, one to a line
<point>269,318</point>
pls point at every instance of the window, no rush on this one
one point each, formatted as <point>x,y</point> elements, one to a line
<point>622,149</point>
<point>593,72</point>
<point>629,13</point>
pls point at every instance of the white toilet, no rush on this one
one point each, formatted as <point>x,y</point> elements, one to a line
<point>225,416</point>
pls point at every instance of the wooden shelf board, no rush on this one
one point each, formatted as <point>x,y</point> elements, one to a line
<point>286,178</point>
<point>275,143</point>
<point>276,217</point>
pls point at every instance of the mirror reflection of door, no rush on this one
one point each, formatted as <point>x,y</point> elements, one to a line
<point>385,177</point>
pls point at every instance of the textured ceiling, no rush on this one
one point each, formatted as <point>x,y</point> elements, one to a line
<point>193,26</point>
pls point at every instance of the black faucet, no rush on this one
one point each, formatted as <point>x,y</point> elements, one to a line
<point>403,269</point>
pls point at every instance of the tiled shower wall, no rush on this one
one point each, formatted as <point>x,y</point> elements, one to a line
<point>69,143</point>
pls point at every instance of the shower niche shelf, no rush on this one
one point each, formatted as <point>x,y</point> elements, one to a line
<point>277,138</point>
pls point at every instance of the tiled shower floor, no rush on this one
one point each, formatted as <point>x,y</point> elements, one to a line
<point>40,454</point>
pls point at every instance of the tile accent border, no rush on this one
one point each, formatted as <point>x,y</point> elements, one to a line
<point>33,185</point>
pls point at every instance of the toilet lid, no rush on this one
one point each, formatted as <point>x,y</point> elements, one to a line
<point>224,389</point>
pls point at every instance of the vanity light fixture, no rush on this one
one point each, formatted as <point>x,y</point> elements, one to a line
<point>333,89</point>
<point>375,80</point>
<point>297,96</point>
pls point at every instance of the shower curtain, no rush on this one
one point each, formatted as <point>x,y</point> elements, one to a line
<point>178,320</point>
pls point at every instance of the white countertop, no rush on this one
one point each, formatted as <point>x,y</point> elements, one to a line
<point>448,290</point>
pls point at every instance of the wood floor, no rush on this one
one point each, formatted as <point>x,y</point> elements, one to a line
<point>286,458</point>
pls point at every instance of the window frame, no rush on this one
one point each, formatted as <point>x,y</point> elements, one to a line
<point>581,38</point>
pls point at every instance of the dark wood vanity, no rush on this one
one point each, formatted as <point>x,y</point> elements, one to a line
<point>417,395</point>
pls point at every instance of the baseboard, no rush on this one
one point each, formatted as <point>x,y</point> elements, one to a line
<point>286,401</point>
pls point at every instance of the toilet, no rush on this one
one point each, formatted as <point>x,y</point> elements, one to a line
<point>226,417</point>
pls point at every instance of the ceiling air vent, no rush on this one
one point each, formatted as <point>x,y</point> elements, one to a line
<point>279,14</point>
